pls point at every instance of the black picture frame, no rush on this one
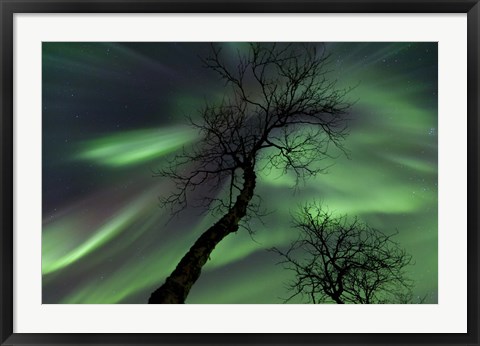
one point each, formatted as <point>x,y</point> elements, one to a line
<point>10,7</point>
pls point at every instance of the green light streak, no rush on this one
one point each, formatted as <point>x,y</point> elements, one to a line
<point>136,146</point>
<point>110,229</point>
<point>240,245</point>
<point>132,278</point>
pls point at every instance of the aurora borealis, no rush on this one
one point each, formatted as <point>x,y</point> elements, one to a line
<point>113,113</point>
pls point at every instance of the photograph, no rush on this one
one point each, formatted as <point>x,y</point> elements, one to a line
<point>239,173</point>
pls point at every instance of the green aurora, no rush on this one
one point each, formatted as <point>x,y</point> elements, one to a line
<point>113,113</point>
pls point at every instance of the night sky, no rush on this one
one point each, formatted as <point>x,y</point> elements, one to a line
<point>113,113</point>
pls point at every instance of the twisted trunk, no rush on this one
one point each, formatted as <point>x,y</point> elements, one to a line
<point>178,284</point>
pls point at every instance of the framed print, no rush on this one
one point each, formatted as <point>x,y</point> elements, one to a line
<point>239,173</point>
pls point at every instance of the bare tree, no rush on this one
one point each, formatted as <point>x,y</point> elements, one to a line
<point>281,108</point>
<point>342,261</point>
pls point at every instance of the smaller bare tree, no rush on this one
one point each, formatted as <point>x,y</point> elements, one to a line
<point>345,261</point>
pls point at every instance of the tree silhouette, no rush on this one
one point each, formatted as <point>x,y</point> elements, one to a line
<point>342,261</point>
<point>281,109</point>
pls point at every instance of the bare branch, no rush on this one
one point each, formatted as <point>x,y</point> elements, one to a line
<point>279,106</point>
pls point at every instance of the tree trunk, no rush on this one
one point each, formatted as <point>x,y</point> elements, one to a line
<point>178,284</point>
